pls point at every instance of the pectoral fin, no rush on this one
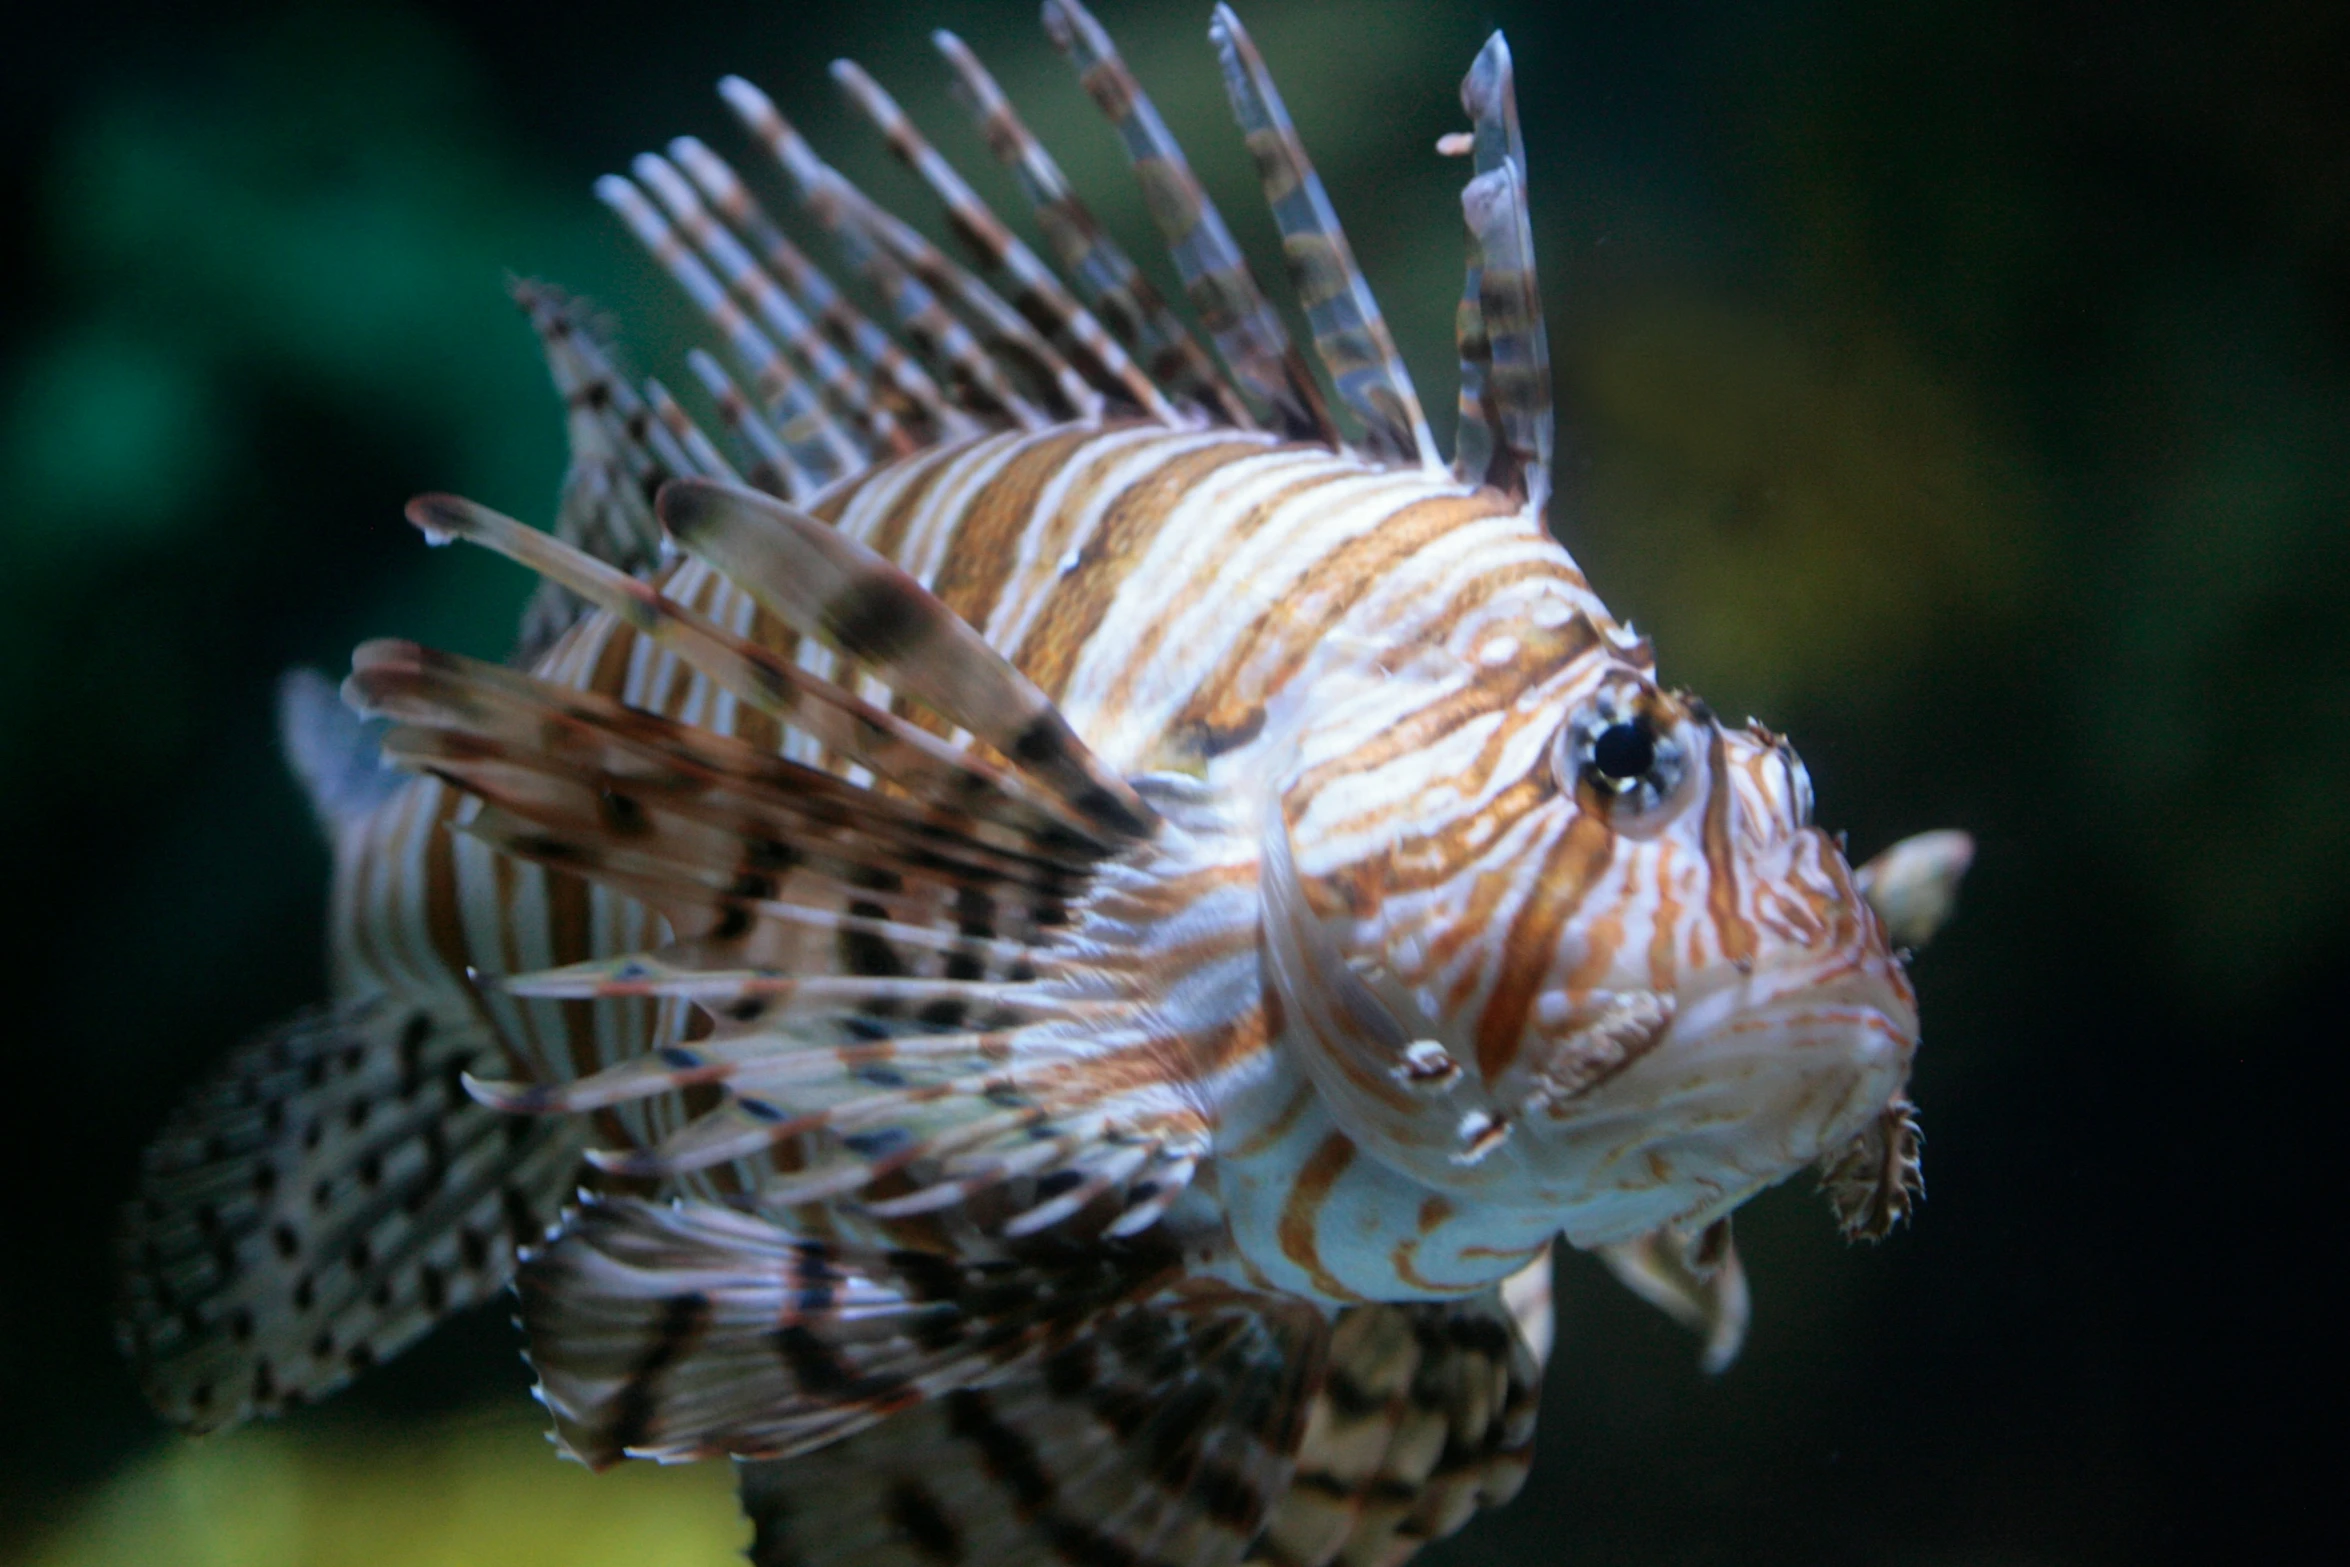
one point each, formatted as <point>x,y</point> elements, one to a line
<point>1913,885</point>
<point>1694,1279</point>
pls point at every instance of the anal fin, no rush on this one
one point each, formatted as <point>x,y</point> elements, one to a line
<point>1425,1415</point>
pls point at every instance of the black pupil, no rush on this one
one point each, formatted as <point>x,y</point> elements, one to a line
<point>1623,751</point>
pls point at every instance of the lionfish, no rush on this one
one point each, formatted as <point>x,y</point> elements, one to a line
<point>1039,953</point>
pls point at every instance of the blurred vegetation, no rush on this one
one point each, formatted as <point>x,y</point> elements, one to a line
<point>1963,388</point>
<point>435,1494</point>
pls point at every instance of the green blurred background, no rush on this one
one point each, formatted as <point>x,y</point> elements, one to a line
<point>1964,388</point>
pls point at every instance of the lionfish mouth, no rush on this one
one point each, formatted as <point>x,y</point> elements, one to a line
<point>1749,1081</point>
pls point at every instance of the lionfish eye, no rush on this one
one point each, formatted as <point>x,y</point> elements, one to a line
<point>1623,752</point>
<point>1615,749</point>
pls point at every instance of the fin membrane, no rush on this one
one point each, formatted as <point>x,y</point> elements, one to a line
<point>326,1198</point>
<point>1163,1433</point>
<point>1696,1280</point>
<point>1425,1415</point>
<point>692,1330</point>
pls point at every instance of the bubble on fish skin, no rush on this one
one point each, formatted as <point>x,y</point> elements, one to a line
<point>1427,1067</point>
<point>1481,1131</point>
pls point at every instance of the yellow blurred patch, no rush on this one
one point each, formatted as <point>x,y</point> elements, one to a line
<point>488,1492</point>
<point>1786,512</point>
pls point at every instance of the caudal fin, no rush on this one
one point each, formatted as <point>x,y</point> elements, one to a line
<point>322,1201</point>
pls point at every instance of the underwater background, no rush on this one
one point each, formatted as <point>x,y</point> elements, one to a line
<point>1963,389</point>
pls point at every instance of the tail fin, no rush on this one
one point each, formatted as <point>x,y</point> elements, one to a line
<point>319,1204</point>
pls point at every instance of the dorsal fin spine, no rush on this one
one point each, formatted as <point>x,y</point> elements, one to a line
<point>703,459</point>
<point>972,377</point>
<point>772,466</point>
<point>846,396</point>
<point>1038,294</point>
<point>816,442</point>
<point>895,374</point>
<point>1350,335</point>
<point>1098,267</point>
<point>1243,324</point>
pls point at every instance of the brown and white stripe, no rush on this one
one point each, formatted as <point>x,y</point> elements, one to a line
<point>1123,923</point>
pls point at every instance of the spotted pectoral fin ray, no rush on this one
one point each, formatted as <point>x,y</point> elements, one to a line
<point>1696,1280</point>
<point>824,584</point>
<point>322,1201</point>
<point>1017,1111</point>
<point>881,968</point>
<point>910,756</point>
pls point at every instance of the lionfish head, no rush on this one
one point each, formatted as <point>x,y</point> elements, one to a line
<point>1595,959</point>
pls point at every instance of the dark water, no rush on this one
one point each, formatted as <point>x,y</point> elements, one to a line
<point>1964,389</point>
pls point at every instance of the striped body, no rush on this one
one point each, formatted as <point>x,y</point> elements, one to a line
<point>1169,589</point>
<point>1084,933</point>
<point>1242,559</point>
